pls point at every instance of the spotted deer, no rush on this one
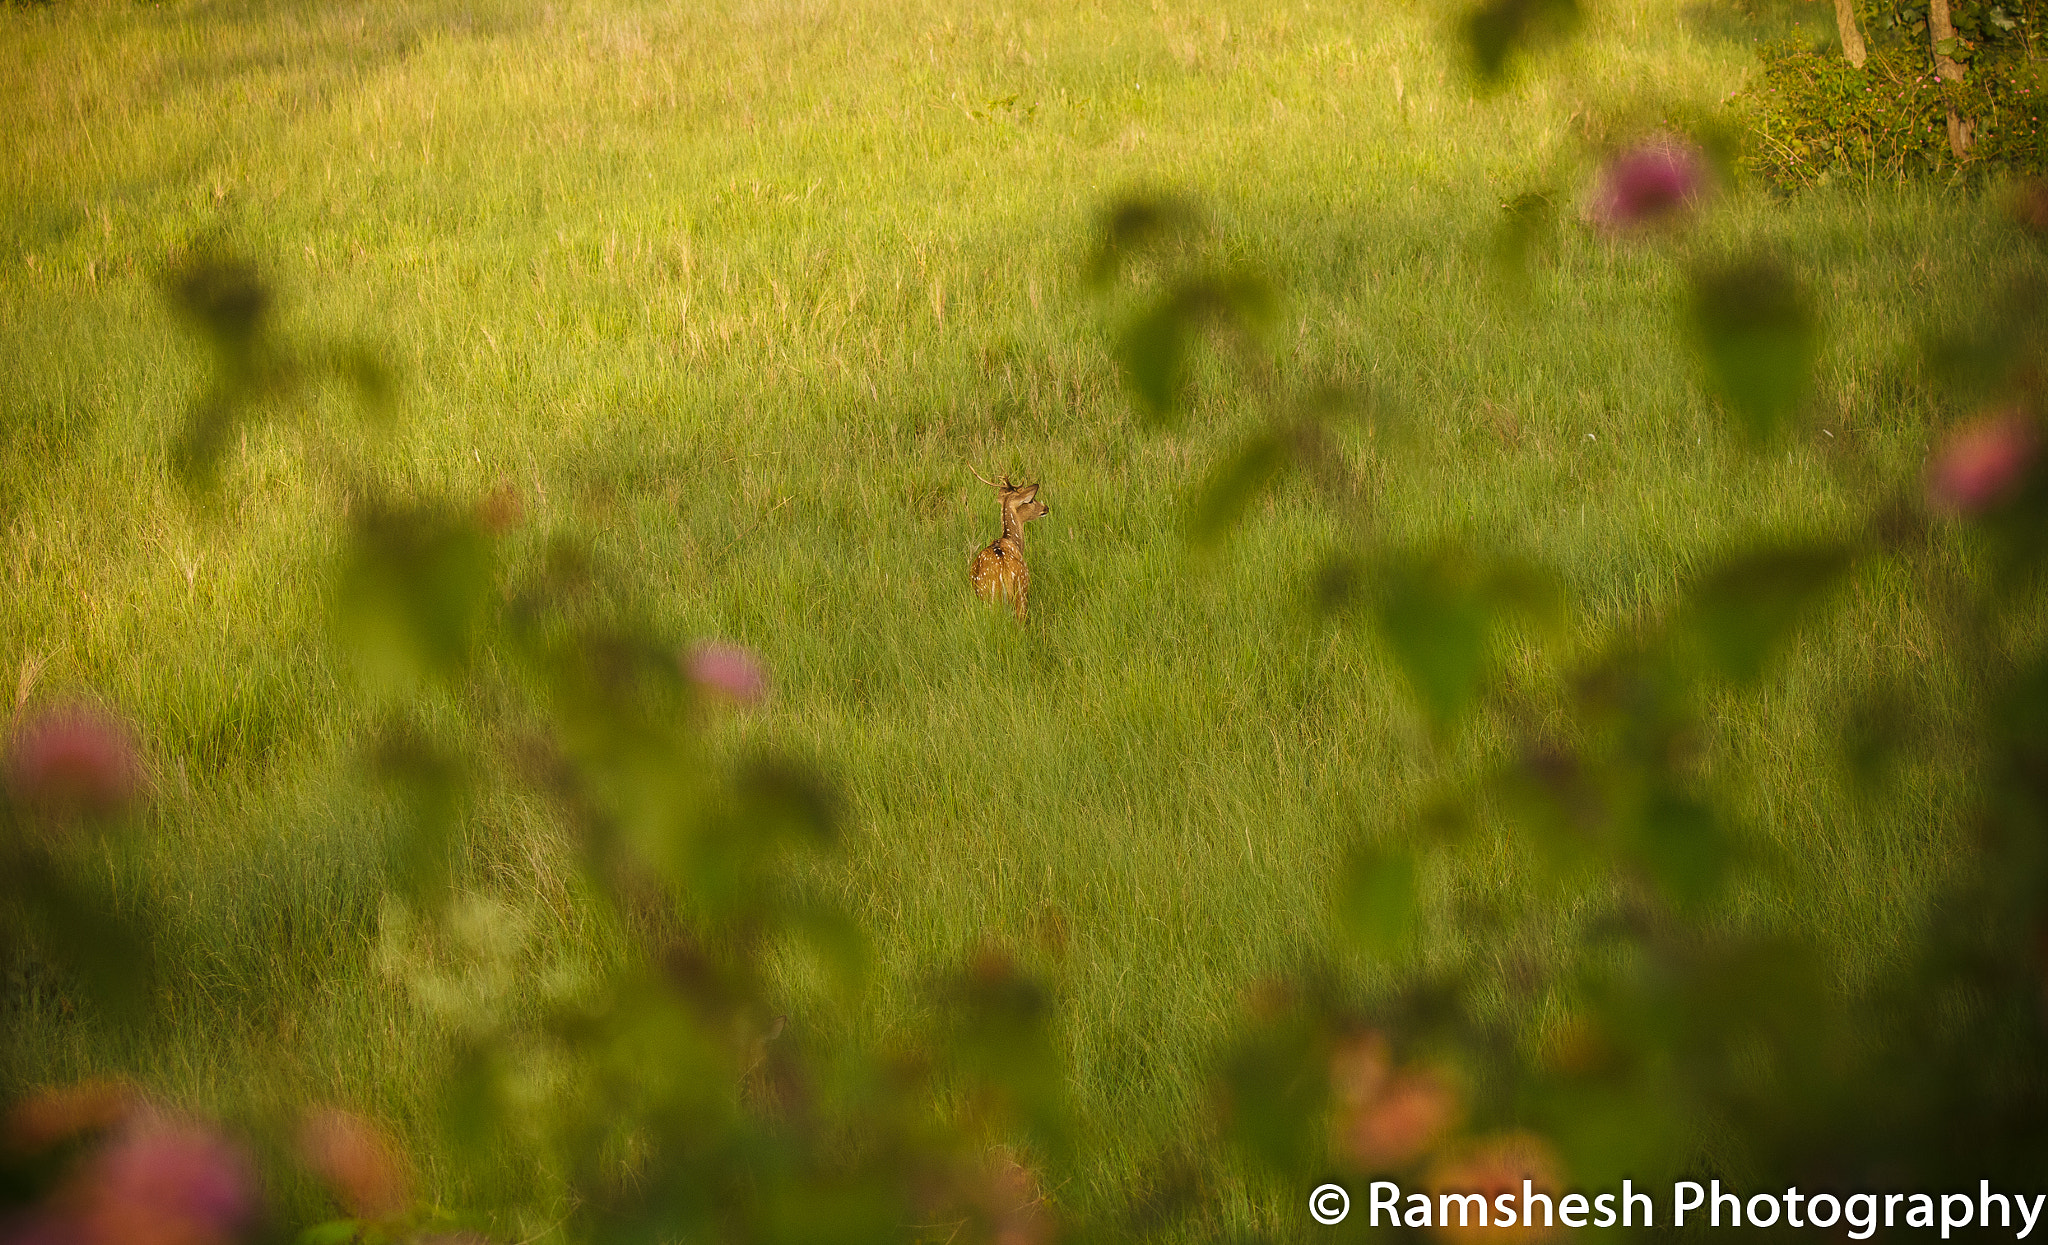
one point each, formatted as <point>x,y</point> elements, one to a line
<point>998,571</point>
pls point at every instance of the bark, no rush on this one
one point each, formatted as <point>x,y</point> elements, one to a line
<point>1852,38</point>
<point>1939,28</point>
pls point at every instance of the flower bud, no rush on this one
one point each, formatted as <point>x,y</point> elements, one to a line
<point>1982,463</point>
<point>74,760</point>
<point>729,671</point>
<point>1648,182</point>
<point>357,1161</point>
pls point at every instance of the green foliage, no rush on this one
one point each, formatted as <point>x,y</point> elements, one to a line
<point>255,368</point>
<point>1377,900</point>
<point>413,593</point>
<point>1745,611</point>
<point>1442,614</point>
<point>2000,27</point>
<point>1812,119</point>
<point>1499,29</point>
<point>1237,481</point>
<point>1679,1016</point>
<point>1758,337</point>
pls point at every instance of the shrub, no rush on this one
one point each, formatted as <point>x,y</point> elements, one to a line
<point>1811,118</point>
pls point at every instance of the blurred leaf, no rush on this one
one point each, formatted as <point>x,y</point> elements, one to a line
<point>1614,1127</point>
<point>1635,696</point>
<point>2022,709</point>
<point>1275,1085</point>
<point>84,928</point>
<point>414,591</point>
<point>1437,621</point>
<point>333,1232</point>
<point>433,789</point>
<point>471,1107</point>
<point>736,863</point>
<point>649,782</point>
<point>1684,848</point>
<point>1529,593</point>
<point>1235,484</point>
<point>1441,614</point>
<point>1151,353</point>
<point>789,802</point>
<point>1130,227</point>
<point>709,982</point>
<point>1154,346</point>
<point>1773,993</point>
<point>196,450</point>
<point>1002,1038</point>
<point>222,294</point>
<point>1527,221</point>
<point>1498,29</point>
<point>363,371</point>
<point>1339,583</point>
<point>1557,797</point>
<point>1883,727</point>
<point>999,1017</point>
<point>1376,900</point>
<point>1169,1188</point>
<point>2000,351</point>
<point>1758,337</point>
<point>841,947</point>
<point>1743,611</point>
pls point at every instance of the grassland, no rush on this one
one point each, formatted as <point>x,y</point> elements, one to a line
<point>740,293</point>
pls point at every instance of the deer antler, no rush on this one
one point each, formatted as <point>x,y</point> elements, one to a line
<point>984,479</point>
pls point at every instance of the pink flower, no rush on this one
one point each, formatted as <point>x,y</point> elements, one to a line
<point>727,670</point>
<point>74,759</point>
<point>165,1181</point>
<point>1982,463</point>
<point>1648,182</point>
<point>1491,1167</point>
<point>357,1161</point>
<point>1385,1118</point>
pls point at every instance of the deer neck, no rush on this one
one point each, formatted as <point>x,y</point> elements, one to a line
<point>1013,527</point>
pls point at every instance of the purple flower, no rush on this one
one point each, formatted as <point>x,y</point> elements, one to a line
<point>727,670</point>
<point>1650,181</point>
<point>72,760</point>
<point>1982,463</point>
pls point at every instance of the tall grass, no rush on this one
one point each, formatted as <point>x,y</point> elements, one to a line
<point>741,293</point>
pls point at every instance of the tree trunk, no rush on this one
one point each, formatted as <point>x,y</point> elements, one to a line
<point>1940,28</point>
<point>1852,38</point>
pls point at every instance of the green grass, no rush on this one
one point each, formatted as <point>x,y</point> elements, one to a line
<point>740,293</point>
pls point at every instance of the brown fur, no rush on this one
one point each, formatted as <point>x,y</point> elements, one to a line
<point>998,571</point>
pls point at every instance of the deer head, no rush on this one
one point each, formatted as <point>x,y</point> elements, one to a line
<point>1022,502</point>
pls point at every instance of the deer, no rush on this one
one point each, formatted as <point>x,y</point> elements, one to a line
<point>998,571</point>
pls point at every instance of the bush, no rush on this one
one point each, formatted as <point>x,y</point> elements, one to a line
<point>1811,118</point>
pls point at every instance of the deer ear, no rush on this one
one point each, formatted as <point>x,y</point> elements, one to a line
<point>1028,493</point>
